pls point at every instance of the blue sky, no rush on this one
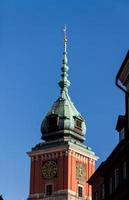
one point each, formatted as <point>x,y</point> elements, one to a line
<point>31,46</point>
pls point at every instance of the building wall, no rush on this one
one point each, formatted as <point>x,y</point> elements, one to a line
<point>60,182</point>
<point>112,175</point>
<point>66,182</point>
<point>128,110</point>
<point>98,188</point>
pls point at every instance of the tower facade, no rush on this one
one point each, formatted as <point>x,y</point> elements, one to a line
<point>62,163</point>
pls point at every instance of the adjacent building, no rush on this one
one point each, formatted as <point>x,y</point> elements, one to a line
<point>62,164</point>
<point>1,198</point>
<point>111,180</point>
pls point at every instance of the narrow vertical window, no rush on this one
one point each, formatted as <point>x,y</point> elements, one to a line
<point>110,185</point>
<point>96,195</point>
<point>52,122</point>
<point>80,191</point>
<point>116,174</point>
<point>49,190</point>
<point>102,191</point>
<point>78,123</point>
<point>124,170</point>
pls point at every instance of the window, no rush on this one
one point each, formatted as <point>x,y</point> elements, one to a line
<point>49,190</point>
<point>78,123</point>
<point>110,185</point>
<point>80,191</point>
<point>102,191</point>
<point>52,122</point>
<point>116,173</point>
<point>124,170</point>
<point>96,195</point>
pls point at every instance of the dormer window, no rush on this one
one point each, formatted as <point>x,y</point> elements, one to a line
<point>78,123</point>
<point>120,127</point>
<point>52,122</point>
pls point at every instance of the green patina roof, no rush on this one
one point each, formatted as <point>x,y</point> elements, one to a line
<point>63,107</point>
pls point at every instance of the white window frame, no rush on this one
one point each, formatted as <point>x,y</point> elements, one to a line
<point>81,186</point>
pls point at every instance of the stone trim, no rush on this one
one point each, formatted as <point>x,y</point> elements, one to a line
<point>48,150</point>
<point>51,153</point>
<point>82,152</point>
<point>61,195</point>
<point>48,156</point>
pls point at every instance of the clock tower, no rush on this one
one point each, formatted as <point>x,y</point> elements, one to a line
<point>61,164</point>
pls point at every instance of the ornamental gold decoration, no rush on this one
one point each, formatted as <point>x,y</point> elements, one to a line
<point>80,170</point>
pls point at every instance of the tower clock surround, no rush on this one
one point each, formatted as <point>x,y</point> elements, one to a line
<point>49,169</point>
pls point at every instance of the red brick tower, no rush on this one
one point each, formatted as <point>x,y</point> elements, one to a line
<point>62,164</point>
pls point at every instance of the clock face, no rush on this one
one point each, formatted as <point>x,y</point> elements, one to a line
<point>80,170</point>
<point>49,169</point>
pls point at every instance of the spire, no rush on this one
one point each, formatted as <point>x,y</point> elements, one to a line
<point>63,121</point>
<point>64,83</point>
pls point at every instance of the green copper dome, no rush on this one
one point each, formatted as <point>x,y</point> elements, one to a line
<point>63,121</point>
